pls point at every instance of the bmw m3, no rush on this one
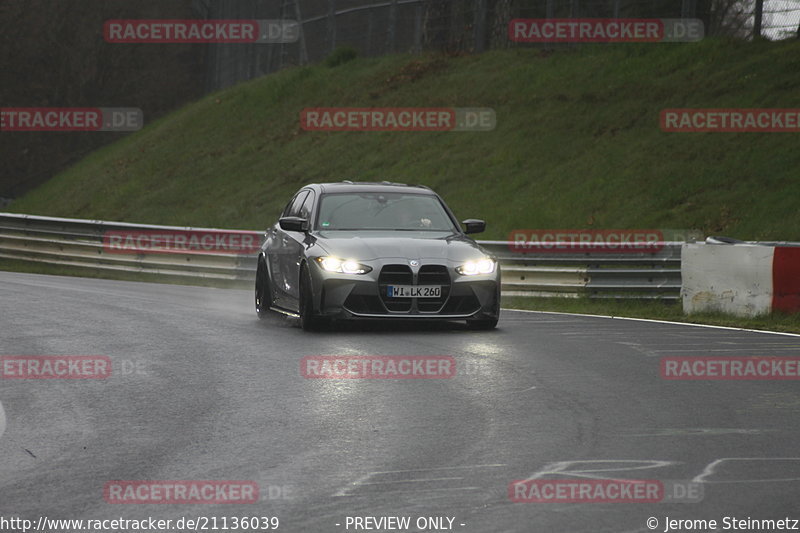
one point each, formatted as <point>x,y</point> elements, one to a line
<point>356,250</point>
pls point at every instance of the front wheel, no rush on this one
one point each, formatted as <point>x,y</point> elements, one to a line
<point>309,320</point>
<point>482,324</point>
<point>263,291</point>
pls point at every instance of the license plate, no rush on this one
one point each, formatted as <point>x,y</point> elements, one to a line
<point>414,291</point>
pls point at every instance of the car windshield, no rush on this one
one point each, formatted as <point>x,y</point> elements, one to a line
<point>383,211</point>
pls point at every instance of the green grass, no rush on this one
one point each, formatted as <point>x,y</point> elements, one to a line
<point>656,310</point>
<point>577,145</point>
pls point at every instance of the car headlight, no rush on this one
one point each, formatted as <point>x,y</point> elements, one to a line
<point>480,266</point>
<point>342,266</point>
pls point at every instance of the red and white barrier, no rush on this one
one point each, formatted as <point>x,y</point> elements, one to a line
<point>786,279</point>
<point>740,279</point>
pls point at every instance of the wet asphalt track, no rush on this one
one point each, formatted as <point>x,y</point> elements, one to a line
<point>201,389</point>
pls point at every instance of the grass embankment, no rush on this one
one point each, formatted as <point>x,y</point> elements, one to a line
<point>577,145</point>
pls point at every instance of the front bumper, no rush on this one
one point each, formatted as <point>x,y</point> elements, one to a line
<point>364,296</point>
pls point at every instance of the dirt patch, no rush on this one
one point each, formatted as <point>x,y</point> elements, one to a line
<point>410,73</point>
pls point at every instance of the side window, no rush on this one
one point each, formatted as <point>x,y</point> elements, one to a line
<point>308,206</point>
<point>286,209</point>
<point>293,207</point>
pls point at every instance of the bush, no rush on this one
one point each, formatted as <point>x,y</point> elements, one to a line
<point>341,55</point>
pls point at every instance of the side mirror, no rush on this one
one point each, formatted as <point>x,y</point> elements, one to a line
<point>293,224</point>
<point>473,225</point>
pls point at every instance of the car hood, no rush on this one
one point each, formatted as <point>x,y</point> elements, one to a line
<point>409,245</point>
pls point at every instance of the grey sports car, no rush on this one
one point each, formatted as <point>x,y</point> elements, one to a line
<point>375,251</point>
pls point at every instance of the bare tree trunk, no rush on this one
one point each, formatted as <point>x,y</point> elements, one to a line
<point>437,24</point>
<point>502,15</point>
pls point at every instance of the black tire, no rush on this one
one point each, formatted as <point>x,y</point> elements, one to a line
<point>263,291</point>
<point>309,320</point>
<point>482,324</point>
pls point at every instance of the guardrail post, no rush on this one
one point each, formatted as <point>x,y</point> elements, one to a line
<point>757,19</point>
<point>392,26</point>
<point>331,25</point>
<point>479,26</point>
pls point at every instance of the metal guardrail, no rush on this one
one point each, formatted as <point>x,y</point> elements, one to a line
<point>632,275</point>
<point>79,243</point>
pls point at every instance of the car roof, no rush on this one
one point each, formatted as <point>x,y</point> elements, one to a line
<point>370,186</point>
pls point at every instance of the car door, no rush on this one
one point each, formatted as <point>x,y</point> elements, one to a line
<point>280,254</point>
<point>296,243</point>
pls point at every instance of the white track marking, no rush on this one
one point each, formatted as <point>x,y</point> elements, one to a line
<point>705,350</point>
<point>711,469</point>
<point>699,432</point>
<point>362,481</point>
<point>561,467</point>
<point>496,465</point>
<point>656,321</point>
<point>410,481</point>
<point>346,489</point>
